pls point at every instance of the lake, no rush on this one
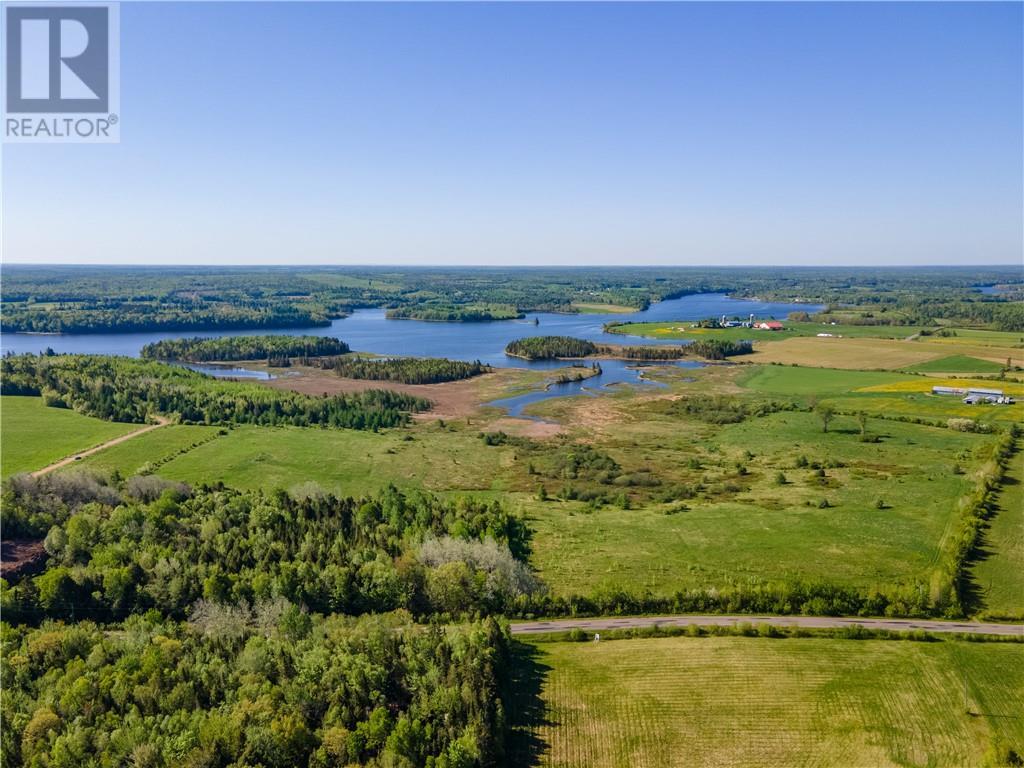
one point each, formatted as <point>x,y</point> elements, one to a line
<point>367,330</point>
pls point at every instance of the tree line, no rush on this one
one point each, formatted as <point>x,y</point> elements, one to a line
<point>558,347</point>
<point>454,313</point>
<point>115,550</point>
<point>125,389</point>
<point>198,349</point>
<point>406,370</point>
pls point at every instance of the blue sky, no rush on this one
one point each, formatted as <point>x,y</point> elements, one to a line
<point>543,134</point>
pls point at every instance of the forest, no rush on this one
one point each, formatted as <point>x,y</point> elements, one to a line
<point>125,389</point>
<point>550,348</point>
<point>117,548</point>
<point>198,349</point>
<point>405,370</point>
<point>455,314</point>
<point>121,299</point>
<point>269,685</point>
<point>566,347</point>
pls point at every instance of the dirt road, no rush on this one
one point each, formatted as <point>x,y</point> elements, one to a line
<point>810,622</point>
<point>161,422</point>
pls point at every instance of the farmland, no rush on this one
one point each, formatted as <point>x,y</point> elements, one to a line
<point>34,436</point>
<point>725,701</point>
<point>718,513</point>
<point>740,488</point>
<point>999,573</point>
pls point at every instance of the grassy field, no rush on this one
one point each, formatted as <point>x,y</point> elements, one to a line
<point>737,522</point>
<point>747,525</point>
<point>678,330</point>
<point>737,701</point>
<point>999,574</point>
<point>884,394</point>
<point>34,436</point>
<point>875,353</point>
<point>341,461</point>
<point>957,364</point>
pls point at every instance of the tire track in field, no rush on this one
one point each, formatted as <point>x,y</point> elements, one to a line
<point>161,422</point>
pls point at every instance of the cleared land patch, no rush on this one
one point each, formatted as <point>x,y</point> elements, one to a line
<point>34,435</point>
<point>736,701</point>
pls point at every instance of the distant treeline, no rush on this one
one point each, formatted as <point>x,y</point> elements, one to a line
<point>265,685</point>
<point>117,299</point>
<point>197,349</point>
<point>556,347</point>
<point>406,370</point>
<point>127,317</point>
<point>454,314</point>
<point>152,544</point>
<point>550,347</point>
<point>125,389</point>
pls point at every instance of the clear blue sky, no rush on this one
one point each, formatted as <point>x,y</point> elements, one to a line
<point>543,134</point>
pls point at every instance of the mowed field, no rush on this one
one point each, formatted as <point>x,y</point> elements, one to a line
<point>999,572</point>
<point>738,701</point>
<point>34,436</point>
<point>871,353</point>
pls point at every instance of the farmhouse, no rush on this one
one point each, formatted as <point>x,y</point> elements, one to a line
<point>770,325</point>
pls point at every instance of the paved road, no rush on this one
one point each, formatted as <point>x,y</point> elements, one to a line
<point>810,622</point>
<point>103,446</point>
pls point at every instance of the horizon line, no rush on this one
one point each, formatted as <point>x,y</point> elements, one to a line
<point>516,266</point>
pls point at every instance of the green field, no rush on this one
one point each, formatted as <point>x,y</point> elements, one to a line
<point>957,364</point>
<point>737,526</point>
<point>792,380</point>
<point>684,330</point>
<point>737,701</point>
<point>999,573</point>
<point>749,527</point>
<point>340,460</point>
<point>34,436</point>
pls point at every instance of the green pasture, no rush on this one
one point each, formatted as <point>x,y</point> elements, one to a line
<point>683,330</point>
<point>957,364</point>
<point>739,701</point>
<point>998,573</point>
<point>33,436</point>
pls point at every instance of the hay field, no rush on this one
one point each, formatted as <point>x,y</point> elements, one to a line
<point>739,701</point>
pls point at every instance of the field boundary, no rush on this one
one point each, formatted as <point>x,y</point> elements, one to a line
<point>598,624</point>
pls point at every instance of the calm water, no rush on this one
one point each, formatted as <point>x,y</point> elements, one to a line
<point>367,330</point>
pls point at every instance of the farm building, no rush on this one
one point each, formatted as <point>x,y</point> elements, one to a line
<point>770,325</point>
<point>976,395</point>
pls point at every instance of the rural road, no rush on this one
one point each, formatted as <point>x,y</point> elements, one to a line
<point>809,622</point>
<point>161,422</point>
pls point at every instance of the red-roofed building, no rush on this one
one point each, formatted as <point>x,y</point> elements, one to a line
<point>770,325</point>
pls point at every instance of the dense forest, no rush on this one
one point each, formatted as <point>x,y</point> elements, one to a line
<point>117,299</point>
<point>267,685</point>
<point>159,545</point>
<point>198,349</point>
<point>559,347</point>
<point>406,370</point>
<point>550,348</point>
<point>125,389</point>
